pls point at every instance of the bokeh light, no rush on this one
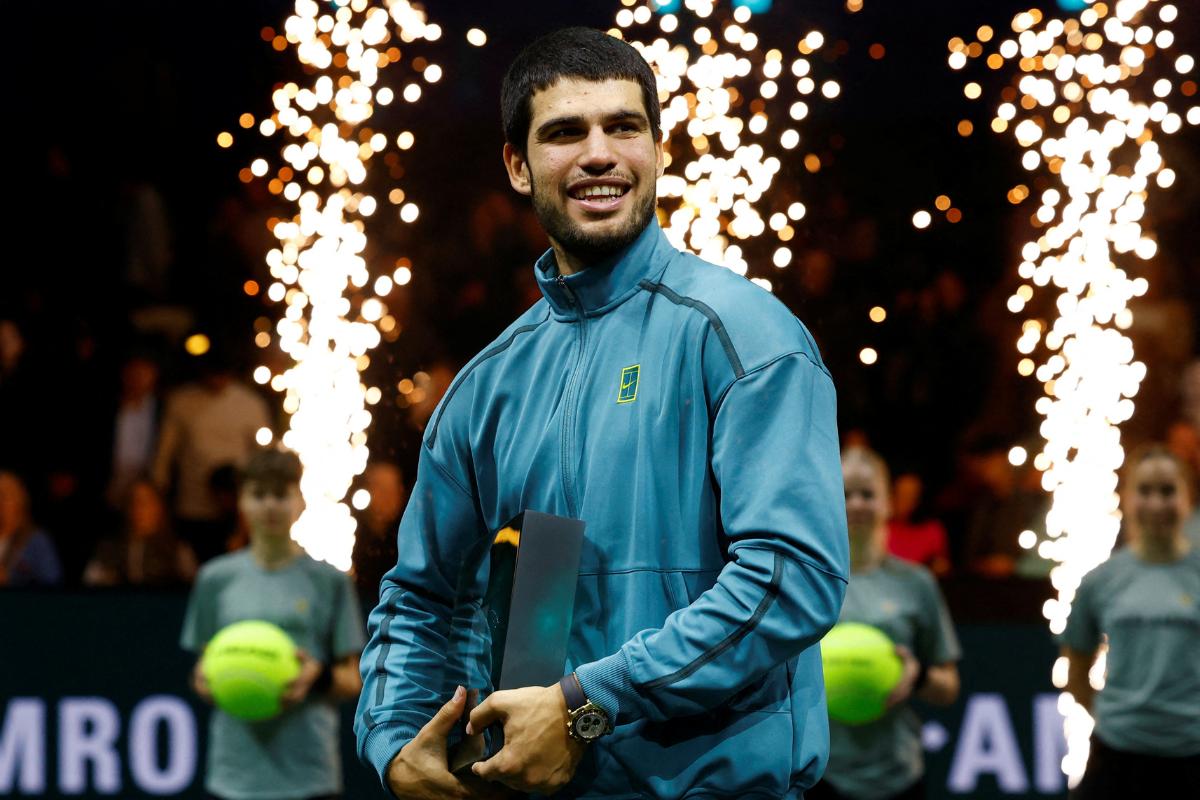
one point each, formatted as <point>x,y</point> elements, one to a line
<point>733,103</point>
<point>330,320</point>
<point>1088,103</point>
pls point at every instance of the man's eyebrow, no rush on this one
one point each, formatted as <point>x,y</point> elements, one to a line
<point>575,119</point>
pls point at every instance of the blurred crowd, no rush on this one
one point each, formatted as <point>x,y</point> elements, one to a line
<point>120,444</point>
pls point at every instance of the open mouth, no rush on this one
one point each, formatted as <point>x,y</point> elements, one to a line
<point>599,197</point>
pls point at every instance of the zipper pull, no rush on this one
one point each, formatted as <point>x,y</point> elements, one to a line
<point>562,284</point>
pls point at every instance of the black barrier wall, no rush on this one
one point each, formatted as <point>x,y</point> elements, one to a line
<point>94,702</point>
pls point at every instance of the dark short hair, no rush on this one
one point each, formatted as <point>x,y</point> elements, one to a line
<point>271,468</point>
<point>583,53</point>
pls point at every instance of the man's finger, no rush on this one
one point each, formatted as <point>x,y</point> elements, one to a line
<point>494,769</point>
<point>443,721</point>
<point>479,789</point>
<point>487,712</point>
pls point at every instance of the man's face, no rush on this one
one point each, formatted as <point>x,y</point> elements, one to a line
<point>590,165</point>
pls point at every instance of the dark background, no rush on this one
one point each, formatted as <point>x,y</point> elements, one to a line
<point>104,99</point>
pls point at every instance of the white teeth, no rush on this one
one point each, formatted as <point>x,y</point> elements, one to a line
<point>599,191</point>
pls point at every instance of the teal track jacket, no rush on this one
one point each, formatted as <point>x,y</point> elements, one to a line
<point>686,415</point>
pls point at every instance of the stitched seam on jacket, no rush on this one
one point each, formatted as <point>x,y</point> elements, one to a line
<point>663,570</point>
<point>390,612</point>
<point>804,562</point>
<point>380,670</point>
<point>761,367</point>
<point>495,351</point>
<point>729,641</point>
<point>369,721</point>
<point>446,474</point>
<point>713,319</point>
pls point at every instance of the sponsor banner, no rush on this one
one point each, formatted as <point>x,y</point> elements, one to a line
<point>94,702</point>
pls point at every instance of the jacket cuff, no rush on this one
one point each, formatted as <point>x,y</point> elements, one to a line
<point>608,684</point>
<point>382,745</point>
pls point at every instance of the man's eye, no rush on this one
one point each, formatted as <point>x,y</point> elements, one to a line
<point>562,133</point>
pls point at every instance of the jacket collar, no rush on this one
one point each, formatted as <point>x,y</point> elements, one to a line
<point>608,283</point>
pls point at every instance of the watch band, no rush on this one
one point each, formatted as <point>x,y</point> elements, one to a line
<point>573,692</point>
<point>588,721</point>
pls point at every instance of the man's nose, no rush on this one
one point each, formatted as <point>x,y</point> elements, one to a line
<point>597,155</point>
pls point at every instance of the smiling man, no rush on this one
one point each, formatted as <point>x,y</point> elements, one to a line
<point>686,416</point>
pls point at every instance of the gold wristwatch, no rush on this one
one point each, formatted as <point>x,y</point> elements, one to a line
<point>588,721</point>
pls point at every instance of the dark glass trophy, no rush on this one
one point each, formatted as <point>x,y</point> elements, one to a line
<point>528,604</point>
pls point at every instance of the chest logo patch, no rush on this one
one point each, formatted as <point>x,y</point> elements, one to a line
<point>629,384</point>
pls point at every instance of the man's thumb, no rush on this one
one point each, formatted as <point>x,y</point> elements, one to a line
<point>444,720</point>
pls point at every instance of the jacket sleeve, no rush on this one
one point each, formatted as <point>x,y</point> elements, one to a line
<point>775,457</point>
<point>407,667</point>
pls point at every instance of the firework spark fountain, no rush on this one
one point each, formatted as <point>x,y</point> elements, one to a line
<point>1089,105</point>
<point>723,95</point>
<point>334,311</point>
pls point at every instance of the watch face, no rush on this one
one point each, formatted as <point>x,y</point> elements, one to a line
<point>591,725</point>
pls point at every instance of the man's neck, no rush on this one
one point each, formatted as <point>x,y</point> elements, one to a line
<point>567,264</point>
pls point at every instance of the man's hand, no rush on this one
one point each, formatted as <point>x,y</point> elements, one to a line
<point>200,684</point>
<point>298,689</point>
<point>908,677</point>
<point>420,770</point>
<point>538,754</point>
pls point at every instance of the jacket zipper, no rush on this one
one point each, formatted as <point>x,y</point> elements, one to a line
<point>569,410</point>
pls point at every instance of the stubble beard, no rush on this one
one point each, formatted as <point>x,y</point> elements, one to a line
<point>589,247</point>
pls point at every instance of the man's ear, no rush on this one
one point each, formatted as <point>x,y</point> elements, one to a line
<point>518,169</point>
<point>659,164</point>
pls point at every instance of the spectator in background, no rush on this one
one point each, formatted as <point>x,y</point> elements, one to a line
<point>206,425</point>
<point>1144,603</point>
<point>1189,391</point>
<point>135,427</point>
<point>296,754</point>
<point>148,252</point>
<point>19,415</point>
<point>27,555</point>
<point>223,487</point>
<point>378,524</point>
<point>428,388</point>
<point>883,759</point>
<point>1183,439</point>
<point>921,540</point>
<point>146,553</point>
<point>1008,505</point>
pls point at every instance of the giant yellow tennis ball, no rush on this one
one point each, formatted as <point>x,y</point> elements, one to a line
<point>861,668</point>
<point>247,665</point>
